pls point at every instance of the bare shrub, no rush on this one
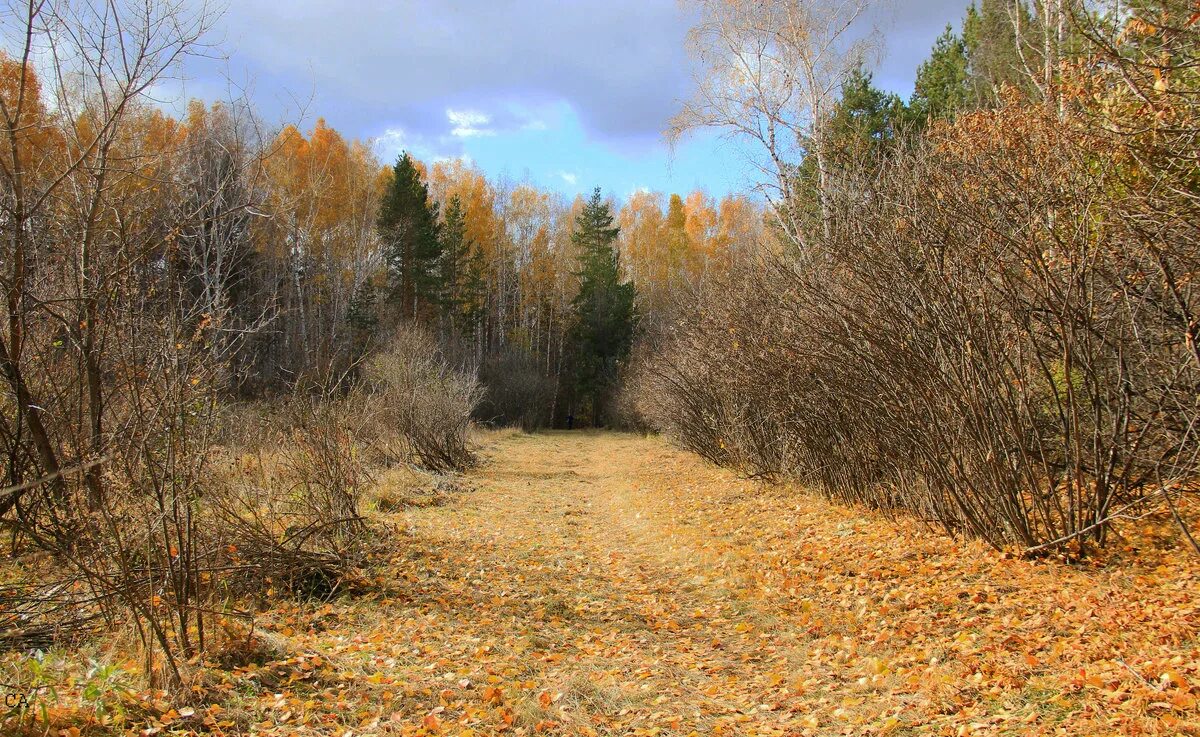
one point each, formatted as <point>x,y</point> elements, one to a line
<point>186,533</point>
<point>415,391</point>
<point>976,342</point>
<point>516,392</point>
<point>320,464</point>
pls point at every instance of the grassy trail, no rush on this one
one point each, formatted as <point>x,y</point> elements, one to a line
<point>588,583</point>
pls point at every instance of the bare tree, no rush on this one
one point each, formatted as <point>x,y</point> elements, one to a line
<point>770,72</point>
<point>220,197</point>
<point>85,197</point>
<point>100,60</point>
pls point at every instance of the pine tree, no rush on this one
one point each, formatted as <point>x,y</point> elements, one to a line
<point>993,56</point>
<point>865,119</point>
<point>942,88</point>
<point>602,332</point>
<point>860,130</point>
<point>409,227</point>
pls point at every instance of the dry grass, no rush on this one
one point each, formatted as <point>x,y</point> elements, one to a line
<point>608,584</point>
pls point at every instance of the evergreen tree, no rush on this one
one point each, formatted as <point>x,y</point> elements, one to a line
<point>993,56</point>
<point>865,120</point>
<point>409,227</point>
<point>454,252</point>
<point>361,317</point>
<point>942,82</point>
<point>473,291</point>
<point>966,71</point>
<point>602,331</point>
<point>860,130</point>
<point>462,272</point>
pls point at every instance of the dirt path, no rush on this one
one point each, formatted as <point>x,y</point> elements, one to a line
<point>608,584</point>
<point>625,615</point>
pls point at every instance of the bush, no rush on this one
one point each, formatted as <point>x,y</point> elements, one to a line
<point>415,390</point>
<point>516,392</point>
<point>978,341</point>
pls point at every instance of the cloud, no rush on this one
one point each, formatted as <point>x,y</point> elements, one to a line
<point>519,85</point>
<point>469,123</point>
<point>394,141</point>
<point>390,143</point>
<point>570,178</point>
<point>620,64</point>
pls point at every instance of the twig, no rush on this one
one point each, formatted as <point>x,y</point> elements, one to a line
<point>1179,521</point>
<point>22,488</point>
<point>1136,674</point>
<point>1119,514</point>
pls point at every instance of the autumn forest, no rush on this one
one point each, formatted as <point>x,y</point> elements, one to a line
<point>900,435</point>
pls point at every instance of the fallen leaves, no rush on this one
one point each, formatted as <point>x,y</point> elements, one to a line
<point>645,593</point>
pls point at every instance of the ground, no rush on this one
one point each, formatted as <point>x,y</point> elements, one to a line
<point>587,583</point>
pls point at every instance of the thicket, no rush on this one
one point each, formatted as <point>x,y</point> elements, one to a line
<point>990,320</point>
<point>154,272</point>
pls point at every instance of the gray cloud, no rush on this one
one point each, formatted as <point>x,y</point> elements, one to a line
<point>370,66</point>
<point>621,64</point>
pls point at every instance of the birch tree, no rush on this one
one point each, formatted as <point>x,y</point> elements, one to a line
<point>770,72</point>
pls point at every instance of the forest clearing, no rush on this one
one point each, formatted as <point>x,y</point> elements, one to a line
<point>826,367</point>
<point>602,583</point>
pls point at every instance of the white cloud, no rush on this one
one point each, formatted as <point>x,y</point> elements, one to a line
<point>394,133</point>
<point>464,158</point>
<point>390,143</point>
<point>469,123</point>
<point>395,141</point>
<point>569,177</point>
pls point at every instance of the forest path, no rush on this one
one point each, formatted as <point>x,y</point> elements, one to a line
<point>602,583</point>
<point>631,614</point>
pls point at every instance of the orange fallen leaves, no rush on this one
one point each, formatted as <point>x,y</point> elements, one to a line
<point>610,585</point>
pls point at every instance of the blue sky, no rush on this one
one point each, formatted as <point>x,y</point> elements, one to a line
<point>566,93</point>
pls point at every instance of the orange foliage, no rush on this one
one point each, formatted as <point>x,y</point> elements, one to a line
<point>328,187</point>
<point>455,178</point>
<point>26,121</point>
<point>694,234</point>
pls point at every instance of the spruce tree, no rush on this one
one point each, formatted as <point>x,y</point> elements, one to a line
<point>462,272</point>
<point>361,317</point>
<point>409,227</point>
<point>602,331</point>
<point>473,290</point>
<point>966,71</point>
<point>454,248</point>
